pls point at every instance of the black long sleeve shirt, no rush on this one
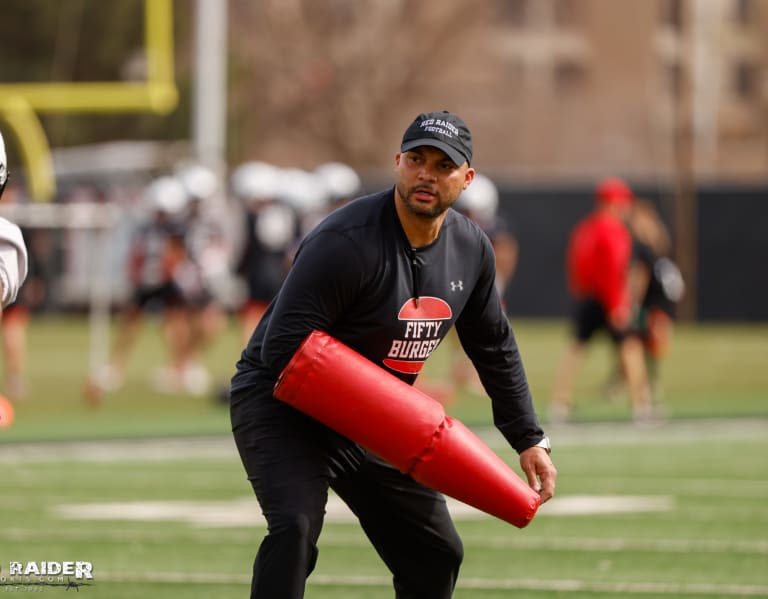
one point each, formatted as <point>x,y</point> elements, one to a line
<point>357,278</point>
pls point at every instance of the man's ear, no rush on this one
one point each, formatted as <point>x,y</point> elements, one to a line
<point>469,176</point>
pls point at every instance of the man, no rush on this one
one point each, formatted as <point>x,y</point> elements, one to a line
<point>605,291</point>
<point>13,251</point>
<point>352,276</point>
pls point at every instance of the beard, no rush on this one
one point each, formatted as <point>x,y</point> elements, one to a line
<point>420,209</point>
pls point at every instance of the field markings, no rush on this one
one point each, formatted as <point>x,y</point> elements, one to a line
<point>250,536</point>
<point>244,511</point>
<point>120,450</point>
<point>470,583</point>
<point>734,488</point>
<point>223,446</point>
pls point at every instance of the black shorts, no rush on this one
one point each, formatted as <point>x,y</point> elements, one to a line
<point>158,297</point>
<point>589,317</point>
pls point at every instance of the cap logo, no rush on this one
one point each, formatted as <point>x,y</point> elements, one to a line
<point>440,127</point>
<point>441,130</point>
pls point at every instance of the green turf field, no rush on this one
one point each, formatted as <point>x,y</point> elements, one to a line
<point>149,489</point>
<point>673,512</point>
<point>711,371</point>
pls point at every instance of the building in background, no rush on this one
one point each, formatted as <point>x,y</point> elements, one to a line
<point>669,94</point>
<point>588,87</point>
<point>550,87</point>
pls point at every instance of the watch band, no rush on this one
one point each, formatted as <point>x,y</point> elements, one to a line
<point>544,444</point>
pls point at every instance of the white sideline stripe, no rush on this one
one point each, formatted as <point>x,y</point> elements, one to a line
<point>244,511</point>
<point>639,588</point>
<point>223,446</point>
<point>486,584</point>
<point>620,544</point>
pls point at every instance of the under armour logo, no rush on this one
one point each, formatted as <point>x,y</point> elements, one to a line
<point>457,285</point>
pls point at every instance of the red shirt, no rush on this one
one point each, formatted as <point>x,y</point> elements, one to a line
<point>598,258</point>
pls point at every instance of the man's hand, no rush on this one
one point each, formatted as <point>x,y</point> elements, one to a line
<point>540,470</point>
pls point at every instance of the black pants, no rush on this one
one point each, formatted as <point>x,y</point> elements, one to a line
<point>292,460</point>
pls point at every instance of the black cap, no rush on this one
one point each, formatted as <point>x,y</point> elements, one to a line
<point>441,130</point>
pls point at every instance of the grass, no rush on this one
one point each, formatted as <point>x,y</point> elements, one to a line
<point>709,541</point>
<point>705,469</point>
<point>57,375</point>
<point>711,371</point>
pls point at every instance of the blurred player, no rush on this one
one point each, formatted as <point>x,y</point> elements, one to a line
<point>308,194</point>
<point>156,252</point>
<point>480,202</point>
<point>13,250</point>
<point>271,228</point>
<point>199,275</point>
<point>657,281</point>
<point>13,272</point>
<point>341,181</point>
<point>600,280</point>
<point>16,315</point>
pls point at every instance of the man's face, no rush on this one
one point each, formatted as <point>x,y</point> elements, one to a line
<point>428,182</point>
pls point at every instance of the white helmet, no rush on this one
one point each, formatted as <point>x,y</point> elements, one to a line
<point>341,180</point>
<point>199,181</point>
<point>255,180</point>
<point>166,194</point>
<point>480,200</point>
<point>303,190</point>
<point>3,165</point>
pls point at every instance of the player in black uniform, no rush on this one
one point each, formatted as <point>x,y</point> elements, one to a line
<point>657,286</point>
<point>353,276</point>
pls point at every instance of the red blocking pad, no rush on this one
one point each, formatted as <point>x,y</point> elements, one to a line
<point>459,464</point>
<point>350,394</point>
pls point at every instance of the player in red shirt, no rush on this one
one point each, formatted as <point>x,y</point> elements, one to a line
<point>599,270</point>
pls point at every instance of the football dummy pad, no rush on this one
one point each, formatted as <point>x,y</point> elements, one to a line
<point>353,396</point>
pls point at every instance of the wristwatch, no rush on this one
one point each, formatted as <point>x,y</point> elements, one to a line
<point>544,443</point>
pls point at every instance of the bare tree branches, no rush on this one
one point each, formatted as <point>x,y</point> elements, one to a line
<point>336,78</point>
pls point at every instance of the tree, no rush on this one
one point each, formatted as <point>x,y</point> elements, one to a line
<point>339,78</point>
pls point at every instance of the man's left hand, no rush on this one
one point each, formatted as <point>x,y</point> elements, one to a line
<point>540,470</point>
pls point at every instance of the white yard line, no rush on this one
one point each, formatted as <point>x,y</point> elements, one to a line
<point>182,448</point>
<point>636,588</point>
<point>487,584</point>
<point>243,511</point>
<point>623,433</point>
<point>621,544</point>
<point>120,450</point>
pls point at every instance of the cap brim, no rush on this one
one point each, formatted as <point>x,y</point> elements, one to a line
<point>457,157</point>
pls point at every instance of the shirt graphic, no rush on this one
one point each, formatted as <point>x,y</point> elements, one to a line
<point>424,322</point>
